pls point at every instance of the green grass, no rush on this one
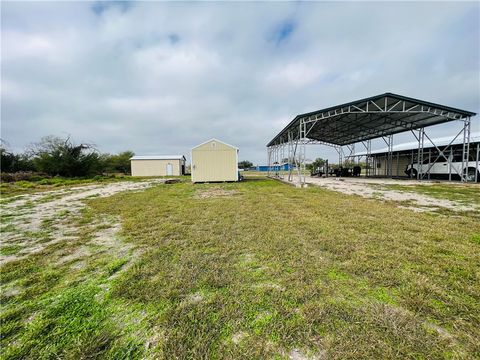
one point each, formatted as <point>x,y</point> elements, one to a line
<point>9,189</point>
<point>10,249</point>
<point>464,193</point>
<point>287,268</point>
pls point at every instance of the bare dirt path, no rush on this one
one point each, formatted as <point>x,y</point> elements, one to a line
<point>372,188</point>
<point>32,222</point>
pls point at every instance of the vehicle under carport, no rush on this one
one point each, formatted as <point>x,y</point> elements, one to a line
<point>359,122</point>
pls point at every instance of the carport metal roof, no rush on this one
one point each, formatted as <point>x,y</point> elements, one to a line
<point>366,119</point>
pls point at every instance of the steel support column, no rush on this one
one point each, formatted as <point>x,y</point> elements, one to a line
<point>368,158</point>
<point>302,152</point>
<point>421,141</point>
<point>465,149</point>
<point>476,162</point>
<point>269,159</point>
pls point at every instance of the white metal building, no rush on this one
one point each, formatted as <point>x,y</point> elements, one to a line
<point>166,165</point>
<point>448,163</point>
<point>214,161</point>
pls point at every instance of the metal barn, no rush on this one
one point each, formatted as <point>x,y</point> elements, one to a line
<point>166,165</point>
<point>214,161</point>
<point>405,154</point>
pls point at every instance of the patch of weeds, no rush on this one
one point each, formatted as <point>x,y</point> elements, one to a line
<point>335,274</point>
<point>9,228</point>
<point>383,295</point>
<point>115,266</point>
<point>262,322</point>
<point>103,226</point>
<point>10,249</point>
<point>5,218</point>
<point>475,238</point>
<point>63,213</point>
<point>47,224</point>
<point>377,195</point>
<point>25,184</point>
<point>82,321</point>
<point>41,236</point>
<point>27,205</point>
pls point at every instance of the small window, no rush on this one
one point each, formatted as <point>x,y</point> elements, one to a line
<point>213,144</point>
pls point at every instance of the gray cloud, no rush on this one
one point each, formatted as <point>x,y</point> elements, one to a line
<point>162,77</point>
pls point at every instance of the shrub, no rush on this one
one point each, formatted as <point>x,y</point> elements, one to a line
<point>21,176</point>
<point>56,156</point>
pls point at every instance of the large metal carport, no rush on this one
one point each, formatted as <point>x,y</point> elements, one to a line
<point>361,121</point>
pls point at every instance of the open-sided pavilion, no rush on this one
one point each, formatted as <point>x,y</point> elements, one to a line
<point>361,121</point>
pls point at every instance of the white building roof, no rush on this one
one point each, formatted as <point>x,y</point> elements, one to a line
<point>206,142</point>
<point>442,141</point>
<point>158,157</point>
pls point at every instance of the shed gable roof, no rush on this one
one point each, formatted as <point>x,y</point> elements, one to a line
<point>216,140</point>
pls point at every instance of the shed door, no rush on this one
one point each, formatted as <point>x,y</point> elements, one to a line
<point>169,169</point>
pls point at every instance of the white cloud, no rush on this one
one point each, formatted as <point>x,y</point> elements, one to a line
<point>296,74</point>
<point>33,46</point>
<point>143,105</point>
<point>161,77</point>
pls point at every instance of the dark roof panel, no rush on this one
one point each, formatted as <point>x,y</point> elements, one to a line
<point>370,118</point>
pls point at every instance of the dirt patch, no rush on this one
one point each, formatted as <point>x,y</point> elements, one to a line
<point>441,331</point>
<point>38,220</point>
<point>238,337</point>
<point>194,298</point>
<point>371,188</point>
<point>213,193</point>
<point>297,354</point>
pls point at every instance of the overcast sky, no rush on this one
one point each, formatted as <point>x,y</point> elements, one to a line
<point>159,78</point>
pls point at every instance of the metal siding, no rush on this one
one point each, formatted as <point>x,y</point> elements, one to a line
<point>214,163</point>
<point>403,161</point>
<point>154,167</point>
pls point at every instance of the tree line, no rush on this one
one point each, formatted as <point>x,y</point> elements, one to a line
<point>56,156</point>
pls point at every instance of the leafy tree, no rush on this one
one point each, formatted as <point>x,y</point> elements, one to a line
<point>56,156</point>
<point>7,160</point>
<point>318,163</point>
<point>117,163</point>
<point>245,164</point>
<point>11,162</point>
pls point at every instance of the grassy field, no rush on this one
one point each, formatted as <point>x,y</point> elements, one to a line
<point>8,189</point>
<point>250,270</point>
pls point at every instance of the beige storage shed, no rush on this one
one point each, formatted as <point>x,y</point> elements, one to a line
<point>213,161</point>
<point>168,165</point>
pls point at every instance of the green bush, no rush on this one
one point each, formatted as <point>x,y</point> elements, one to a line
<point>25,184</point>
<point>21,176</point>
